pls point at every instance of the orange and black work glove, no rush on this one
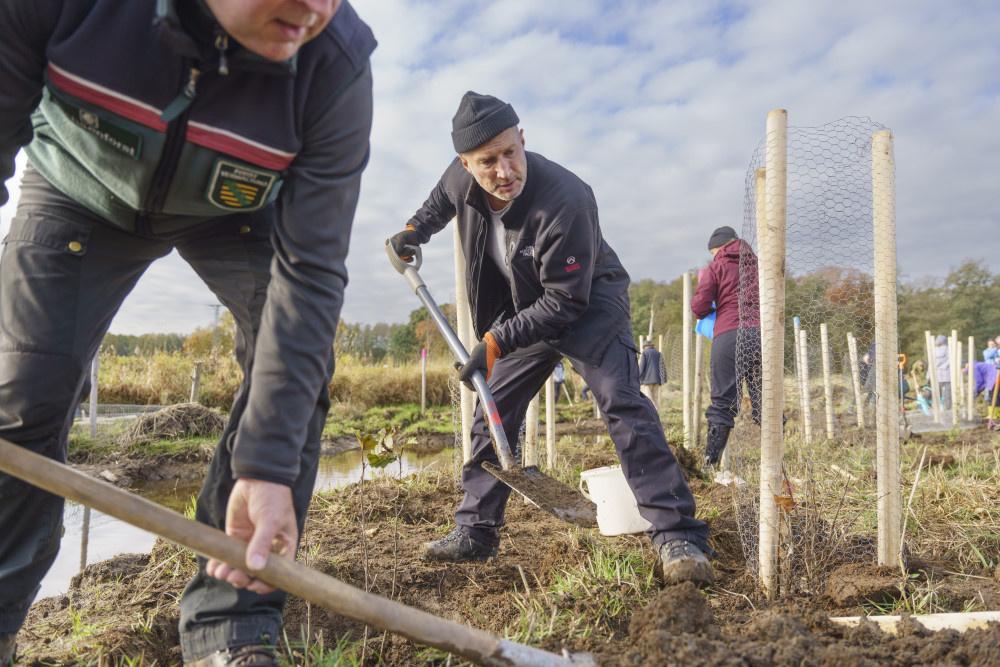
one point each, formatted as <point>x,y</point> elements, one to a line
<point>403,241</point>
<point>480,359</point>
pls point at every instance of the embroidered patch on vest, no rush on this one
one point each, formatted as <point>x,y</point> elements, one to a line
<point>236,186</point>
<point>117,137</point>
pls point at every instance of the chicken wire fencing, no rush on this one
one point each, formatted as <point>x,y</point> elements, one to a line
<point>827,505</point>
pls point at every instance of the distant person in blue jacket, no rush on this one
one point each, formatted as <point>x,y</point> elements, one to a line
<point>991,352</point>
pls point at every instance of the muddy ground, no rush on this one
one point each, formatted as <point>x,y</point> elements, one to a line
<point>128,605</point>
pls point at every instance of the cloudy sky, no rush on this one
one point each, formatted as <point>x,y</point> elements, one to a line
<point>659,106</point>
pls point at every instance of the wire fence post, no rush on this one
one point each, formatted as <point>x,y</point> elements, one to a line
<point>886,349</point>
<point>195,383</point>
<point>771,231</point>
<point>686,359</point>
<point>852,350</point>
<point>970,407</point>
<point>93,393</point>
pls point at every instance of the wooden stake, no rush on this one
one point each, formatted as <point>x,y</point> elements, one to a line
<point>699,361</point>
<point>196,383</point>
<point>886,348</point>
<point>529,455</point>
<point>95,364</point>
<point>686,359</point>
<point>827,382</point>
<point>933,374</point>
<point>771,241</point>
<point>956,374</point>
<point>464,329</point>
<point>852,347</point>
<point>970,404</point>
<point>806,398</point>
<point>550,421</point>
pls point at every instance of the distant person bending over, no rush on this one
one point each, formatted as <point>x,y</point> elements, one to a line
<point>234,132</point>
<point>985,376</point>
<point>544,284</point>
<point>731,282</point>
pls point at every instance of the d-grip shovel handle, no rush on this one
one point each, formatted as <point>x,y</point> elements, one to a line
<point>409,272</point>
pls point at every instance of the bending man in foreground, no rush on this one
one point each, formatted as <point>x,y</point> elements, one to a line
<point>543,284</point>
<point>239,141</point>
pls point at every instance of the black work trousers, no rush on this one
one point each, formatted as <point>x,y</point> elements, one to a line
<point>735,358</point>
<point>64,273</point>
<point>652,472</point>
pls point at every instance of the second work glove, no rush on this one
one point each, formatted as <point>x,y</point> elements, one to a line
<point>403,241</point>
<point>481,359</point>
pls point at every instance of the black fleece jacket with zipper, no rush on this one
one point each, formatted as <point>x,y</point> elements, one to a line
<point>567,287</point>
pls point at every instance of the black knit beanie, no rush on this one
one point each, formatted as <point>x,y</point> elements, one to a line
<point>721,237</point>
<point>480,118</point>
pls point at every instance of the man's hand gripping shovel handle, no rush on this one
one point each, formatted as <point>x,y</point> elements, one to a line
<point>409,271</point>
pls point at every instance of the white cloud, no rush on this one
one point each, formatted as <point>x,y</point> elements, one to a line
<point>659,106</point>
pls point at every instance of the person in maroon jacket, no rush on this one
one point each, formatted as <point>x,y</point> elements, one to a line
<point>729,286</point>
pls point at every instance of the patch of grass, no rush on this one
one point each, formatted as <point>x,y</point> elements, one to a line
<point>345,419</point>
<point>312,653</point>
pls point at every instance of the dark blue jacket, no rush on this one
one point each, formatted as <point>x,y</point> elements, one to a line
<point>131,113</point>
<point>567,288</point>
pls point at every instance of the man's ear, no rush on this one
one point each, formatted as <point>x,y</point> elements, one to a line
<point>465,163</point>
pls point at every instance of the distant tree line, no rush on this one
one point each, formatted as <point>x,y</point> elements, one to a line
<point>967,299</point>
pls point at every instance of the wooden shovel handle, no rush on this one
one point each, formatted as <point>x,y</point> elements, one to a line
<point>321,589</point>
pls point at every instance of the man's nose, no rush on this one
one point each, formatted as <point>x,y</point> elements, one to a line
<point>503,169</point>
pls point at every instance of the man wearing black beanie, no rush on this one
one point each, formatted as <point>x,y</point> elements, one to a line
<point>544,284</point>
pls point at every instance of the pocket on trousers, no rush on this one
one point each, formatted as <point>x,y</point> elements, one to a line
<point>40,281</point>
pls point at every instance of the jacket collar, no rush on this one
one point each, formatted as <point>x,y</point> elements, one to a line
<point>198,41</point>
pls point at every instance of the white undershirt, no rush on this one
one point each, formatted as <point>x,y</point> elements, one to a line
<point>496,240</point>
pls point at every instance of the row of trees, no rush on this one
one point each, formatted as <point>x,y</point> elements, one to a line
<point>967,299</point>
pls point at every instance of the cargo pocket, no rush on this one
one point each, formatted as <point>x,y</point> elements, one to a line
<point>40,280</point>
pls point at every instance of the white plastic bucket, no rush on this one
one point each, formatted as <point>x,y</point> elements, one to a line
<point>617,512</point>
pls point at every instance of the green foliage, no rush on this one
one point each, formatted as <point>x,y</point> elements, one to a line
<point>965,300</point>
<point>125,345</point>
<point>664,298</point>
<point>381,449</point>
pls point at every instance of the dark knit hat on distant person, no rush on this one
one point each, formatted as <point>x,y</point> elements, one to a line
<point>480,118</point>
<point>647,344</point>
<point>721,237</point>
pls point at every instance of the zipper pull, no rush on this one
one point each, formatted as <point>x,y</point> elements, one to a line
<point>184,100</point>
<point>222,44</point>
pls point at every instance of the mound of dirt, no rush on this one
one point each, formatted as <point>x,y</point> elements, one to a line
<point>184,420</point>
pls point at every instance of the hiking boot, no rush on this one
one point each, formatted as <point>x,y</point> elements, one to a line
<point>459,547</point>
<point>8,647</point>
<point>250,655</point>
<point>715,442</point>
<point>684,561</point>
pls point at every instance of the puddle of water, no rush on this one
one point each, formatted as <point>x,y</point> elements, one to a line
<point>108,536</point>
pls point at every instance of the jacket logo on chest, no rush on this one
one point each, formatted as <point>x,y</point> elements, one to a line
<point>573,265</point>
<point>235,186</point>
<point>528,251</point>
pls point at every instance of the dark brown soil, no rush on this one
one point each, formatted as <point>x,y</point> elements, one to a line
<point>128,605</point>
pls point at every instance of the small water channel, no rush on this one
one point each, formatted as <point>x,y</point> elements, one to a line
<point>107,536</point>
